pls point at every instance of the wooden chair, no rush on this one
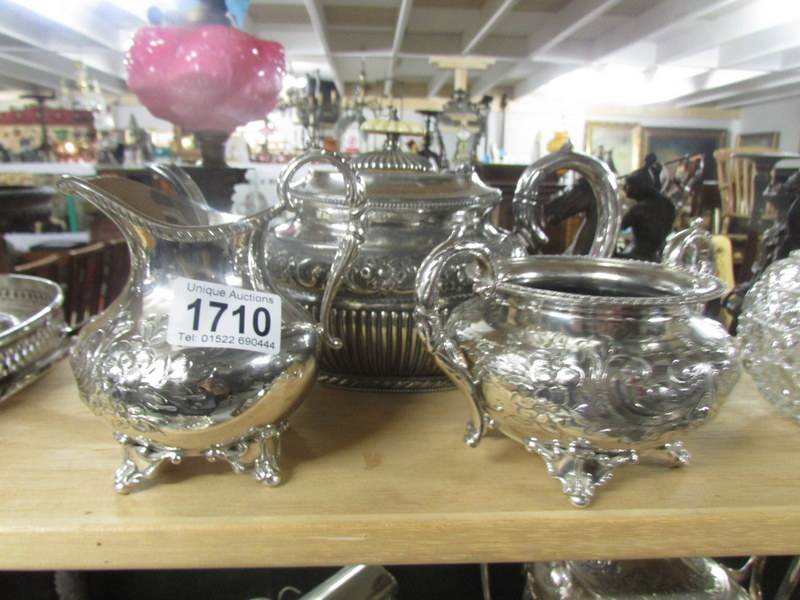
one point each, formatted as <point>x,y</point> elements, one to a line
<point>84,284</point>
<point>735,177</point>
<point>737,187</point>
<point>48,267</point>
<point>91,277</point>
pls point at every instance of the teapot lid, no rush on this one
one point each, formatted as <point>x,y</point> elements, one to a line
<point>391,159</point>
<point>400,185</point>
<point>397,180</point>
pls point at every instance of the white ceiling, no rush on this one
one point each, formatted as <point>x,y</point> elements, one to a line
<point>723,53</point>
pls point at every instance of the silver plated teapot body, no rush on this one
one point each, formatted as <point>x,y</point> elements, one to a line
<point>225,400</point>
<point>584,361</point>
<point>412,209</point>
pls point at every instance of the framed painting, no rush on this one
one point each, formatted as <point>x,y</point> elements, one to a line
<point>669,143</point>
<point>765,139</point>
<point>613,142</point>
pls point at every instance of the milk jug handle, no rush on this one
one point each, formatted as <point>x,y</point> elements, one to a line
<point>429,317</point>
<point>349,244</point>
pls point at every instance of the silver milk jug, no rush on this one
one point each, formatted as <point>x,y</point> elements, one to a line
<point>201,354</point>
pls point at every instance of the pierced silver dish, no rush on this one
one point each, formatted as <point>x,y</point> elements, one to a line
<point>32,330</point>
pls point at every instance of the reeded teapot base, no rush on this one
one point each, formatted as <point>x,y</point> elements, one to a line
<point>257,452</point>
<point>582,467</point>
<point>366,383</point>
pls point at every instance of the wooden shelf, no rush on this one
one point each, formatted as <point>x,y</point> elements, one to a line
<point>383,479</point>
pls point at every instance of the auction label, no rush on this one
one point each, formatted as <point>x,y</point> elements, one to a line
<point>210,315</point>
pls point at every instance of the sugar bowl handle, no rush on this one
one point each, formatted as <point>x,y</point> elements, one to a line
<point>530,211</point>
<point>429,316</point>
<point>349,244</point>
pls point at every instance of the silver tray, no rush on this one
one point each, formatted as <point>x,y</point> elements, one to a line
<point>32,330</point>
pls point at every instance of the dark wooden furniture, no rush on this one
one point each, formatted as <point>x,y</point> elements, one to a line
<point>504,178</point>
<point>90,276</point>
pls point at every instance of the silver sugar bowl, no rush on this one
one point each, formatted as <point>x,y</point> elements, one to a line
<point>411,208</point>
<point>769,332</point>
<point>584,361</point>
<point>201,354</point>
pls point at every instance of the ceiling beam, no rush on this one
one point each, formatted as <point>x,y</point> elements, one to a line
<point>724,92</point>
<point>489,16</point>
<point>542,74</point>
<point>761,97</point>
<point>662,17</point>
<point>9,83</point>
<point>790,59</point>
<point>34,77</point>
<point>26,28</point>
<point>319,25</point>
<point>572,18</point>
<point>777,61</point>
<point>397,43</point>
<point>437,82</point>
<point>81,21</point>
<point>762,43</point>
<point>703,36</point>
<point>60,67</point>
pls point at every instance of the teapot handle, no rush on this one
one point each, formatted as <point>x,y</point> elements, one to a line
<point>529,210</point>
<point>429,321</point>
<point>691,248</point>
<point>356,199</point>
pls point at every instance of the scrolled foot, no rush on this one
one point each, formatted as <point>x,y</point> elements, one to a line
<point>679,455</point>
<point>472,435</point>
<point>266,467</point>
<point>140,461</point>
<point>580,467</point>
<point>267,471</point>
<point>257,452</point>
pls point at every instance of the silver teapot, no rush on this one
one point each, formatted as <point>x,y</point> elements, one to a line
<point>412,208</point>
<point>584,361</point>
<point>201,354</point>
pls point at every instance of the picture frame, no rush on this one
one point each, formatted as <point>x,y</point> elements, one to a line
<point>620,138</point>
<point>764,139</point>
<point>669,143</point>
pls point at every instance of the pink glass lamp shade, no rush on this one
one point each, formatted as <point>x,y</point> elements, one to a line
<point>205,78</point>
